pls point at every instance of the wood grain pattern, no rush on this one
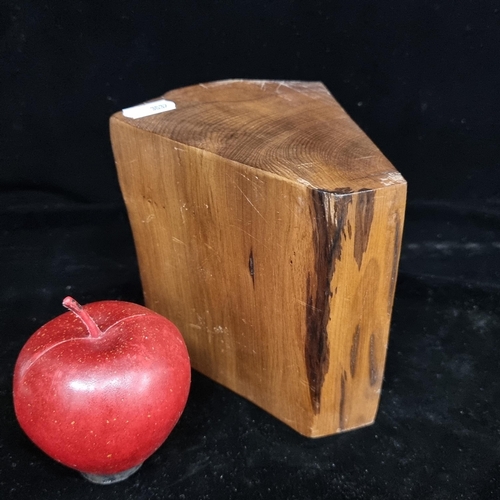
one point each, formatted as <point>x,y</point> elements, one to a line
<point>268,228</point>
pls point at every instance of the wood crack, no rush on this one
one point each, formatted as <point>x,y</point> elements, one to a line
<point>328,234</point>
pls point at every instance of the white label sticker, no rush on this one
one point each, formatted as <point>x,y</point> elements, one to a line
<point>149,108</point>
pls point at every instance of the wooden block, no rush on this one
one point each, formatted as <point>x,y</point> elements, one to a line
<point>268,228</point>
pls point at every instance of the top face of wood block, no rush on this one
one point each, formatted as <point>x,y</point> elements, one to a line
<point>295,130</point>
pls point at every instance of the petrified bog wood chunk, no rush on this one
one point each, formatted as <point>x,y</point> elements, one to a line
<point>268,229</point>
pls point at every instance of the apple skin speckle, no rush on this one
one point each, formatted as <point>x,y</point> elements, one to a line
<point>102,403</point>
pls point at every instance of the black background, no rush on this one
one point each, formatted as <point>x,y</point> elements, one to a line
<point>421,78</point>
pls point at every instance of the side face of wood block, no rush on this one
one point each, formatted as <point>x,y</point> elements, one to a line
<point>268,228</point>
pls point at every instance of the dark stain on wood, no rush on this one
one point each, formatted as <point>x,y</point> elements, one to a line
<point>395,261</point>
<point>342,415</point>
<point>355,350</point>
<point>364,218</point>
<point>373,362</point>
<point>251,267</point>
<point>328,230</point>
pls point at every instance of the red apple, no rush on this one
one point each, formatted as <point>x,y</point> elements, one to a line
<point>100,388</point>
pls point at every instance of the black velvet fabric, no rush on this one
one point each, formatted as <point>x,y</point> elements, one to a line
<point>420,77</point>
<point>436,434</point>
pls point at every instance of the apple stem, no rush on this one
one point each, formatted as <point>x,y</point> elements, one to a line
<point>71,304</point>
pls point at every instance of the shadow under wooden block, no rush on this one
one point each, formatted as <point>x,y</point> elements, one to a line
<point>268,228</point>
